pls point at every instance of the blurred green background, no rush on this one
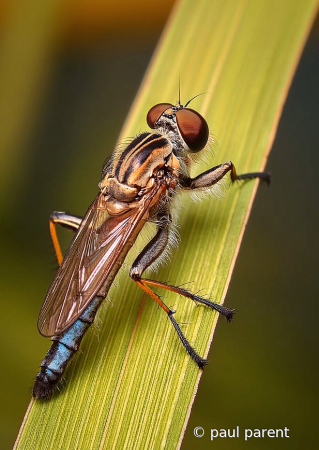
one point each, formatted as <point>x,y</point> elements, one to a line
<point>69,72</point>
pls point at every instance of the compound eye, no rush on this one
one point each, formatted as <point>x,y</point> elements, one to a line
<point>155,113</point>
<point>193,128</point>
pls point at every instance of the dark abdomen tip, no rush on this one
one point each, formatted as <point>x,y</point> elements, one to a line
<point>44,386</point>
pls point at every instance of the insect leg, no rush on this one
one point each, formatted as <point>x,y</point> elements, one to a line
<point>150,253</point>
<point>212,176</point>
<point>228,313</point>
<point>190,350</point>
<point>66,221</point>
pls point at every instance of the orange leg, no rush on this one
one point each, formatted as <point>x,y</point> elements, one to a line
<point>65,220</point>
<point>56,243</point>
<point>149,291</point>
<point>201,362</point>
<point>228,313</point>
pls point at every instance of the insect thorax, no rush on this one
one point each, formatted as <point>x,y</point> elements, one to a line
<point>148,159</point>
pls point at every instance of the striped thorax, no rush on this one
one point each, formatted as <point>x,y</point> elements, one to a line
<point>148,159</point>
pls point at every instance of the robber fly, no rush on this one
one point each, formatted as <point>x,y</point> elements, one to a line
<point>138,185</point>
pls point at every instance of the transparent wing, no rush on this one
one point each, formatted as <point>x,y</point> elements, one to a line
<point>95,255</point>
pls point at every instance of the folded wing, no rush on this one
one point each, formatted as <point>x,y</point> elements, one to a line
<point>94,257</point>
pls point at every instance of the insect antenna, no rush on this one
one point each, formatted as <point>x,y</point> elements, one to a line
<point>202,93</point>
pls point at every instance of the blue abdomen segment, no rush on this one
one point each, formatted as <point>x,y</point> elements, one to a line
<point>63,348</point>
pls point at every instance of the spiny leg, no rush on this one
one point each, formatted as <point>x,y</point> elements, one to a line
<point>264,176</point>
<point>149,254</point>
<point>190,350</point>
<point>214,175</point>
<point>228,313</point>
<point>65,220</point>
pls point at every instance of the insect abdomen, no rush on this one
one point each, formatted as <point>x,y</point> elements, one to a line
<point>61,352</point>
